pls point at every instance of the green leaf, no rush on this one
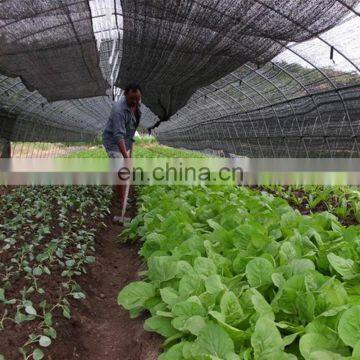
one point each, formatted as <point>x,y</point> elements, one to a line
<point>161,325</point>
<point>289,339</point>
<point>189,307</point>
<point>135,295</point>
<point>231,308</point>
<point>70,263</point>
<point>213,340</point>
<point>66,312</point>
<point>44,341</point>
<point>356,351</point>
<point>235,334</point>
<point>174,353</point>
<point>191,284</point>
<point>37,354</point>
<point>313,342</point>
<point>78,295</point>
<point>90,259</point>
<point>169,296</point>
<point>349,326</point>
<point>258,272</point>
<point>48,319</point>
<point>261,305</point>
<point>266,339</point>
<point>37,271</point>
<point>204,266</point>
<point>301,266</point>
<point>2,294</point>
<point>213,284</point>
<point>306,306</point>
<point>29,309</point>
<point>162,268</point>
<point>345,267</point>
<point>326,355</point>
<point>278,280</point>
<point>193,324</point>
<point>50,332</point>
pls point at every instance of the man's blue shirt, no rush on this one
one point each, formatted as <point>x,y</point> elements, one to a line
<point>122,125</point>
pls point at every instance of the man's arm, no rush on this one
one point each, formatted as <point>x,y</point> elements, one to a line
<point>119,131</point>
<point>122,148</point>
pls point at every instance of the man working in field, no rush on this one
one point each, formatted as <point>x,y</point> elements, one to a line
<point>118,136</point>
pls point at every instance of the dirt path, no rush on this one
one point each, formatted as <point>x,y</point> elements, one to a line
<point>100,328</point>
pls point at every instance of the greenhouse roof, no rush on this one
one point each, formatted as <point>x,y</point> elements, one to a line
<point>252,77</point>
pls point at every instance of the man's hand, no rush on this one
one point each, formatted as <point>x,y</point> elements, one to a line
<point>123,150</point>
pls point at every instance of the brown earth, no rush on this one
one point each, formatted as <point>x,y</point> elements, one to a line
<point>303,206</point>
<point>100,329</point>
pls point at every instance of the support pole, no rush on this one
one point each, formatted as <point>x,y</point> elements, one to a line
<point>5,148</point>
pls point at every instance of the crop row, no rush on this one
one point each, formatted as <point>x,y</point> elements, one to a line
<point>142,149</point>
<point>342,201</point>
<point>46,240</point>
<point>237,274</point>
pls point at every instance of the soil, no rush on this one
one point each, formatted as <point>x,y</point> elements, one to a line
<point>101,329</point>
<point>304,208</point>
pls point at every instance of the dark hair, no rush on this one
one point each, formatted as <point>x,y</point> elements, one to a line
<point>131,87</point>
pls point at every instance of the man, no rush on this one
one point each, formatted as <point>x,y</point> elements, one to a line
<point>118,136</point>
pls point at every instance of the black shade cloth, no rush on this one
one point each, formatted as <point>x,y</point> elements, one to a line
<point>172,48</point>
<point>51,46</point>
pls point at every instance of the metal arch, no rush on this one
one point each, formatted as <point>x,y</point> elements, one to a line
<point>312,66</point>
<point>315,35</point>
<point>261,113</point>
<point>339,52</point>
<point>86,108</point>
<point>267,101</point>
<point>34,96</point>
<point>292,108</point>
<point>65,112</point>
<point>239,104</point>
<point>222,108</point>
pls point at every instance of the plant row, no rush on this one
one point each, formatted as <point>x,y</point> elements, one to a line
<point>342,201</point>
<point>237,274</point>
<point>47,237</point>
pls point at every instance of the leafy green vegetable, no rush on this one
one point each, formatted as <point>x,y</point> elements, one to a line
<point>258,272</point>
<point>349,326</point>
<point>238,274</point>
<point>135,295</point>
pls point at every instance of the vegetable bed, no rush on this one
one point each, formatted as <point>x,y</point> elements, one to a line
<point>237,274</point>
<point>342,201</point>
<point>46,240</point>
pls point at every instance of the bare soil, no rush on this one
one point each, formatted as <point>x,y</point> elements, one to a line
<point>100,329</point>
<point>304,208</point>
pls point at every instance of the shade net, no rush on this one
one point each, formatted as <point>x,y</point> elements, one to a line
<point>28,115</point>
<point>255,78</point>
<point>51,46</point>
<point>172,48</point>
<point>303,103</point>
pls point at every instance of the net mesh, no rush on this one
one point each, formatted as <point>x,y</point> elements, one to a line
<point>26,114</point>
<point>303,103</point>
<point>51,46</point>
<point>252,77</point>
<point>173,48</point>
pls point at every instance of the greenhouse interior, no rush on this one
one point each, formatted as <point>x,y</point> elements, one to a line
<point>193,271</point>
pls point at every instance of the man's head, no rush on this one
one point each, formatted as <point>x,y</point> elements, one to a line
<point>132,93</point>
